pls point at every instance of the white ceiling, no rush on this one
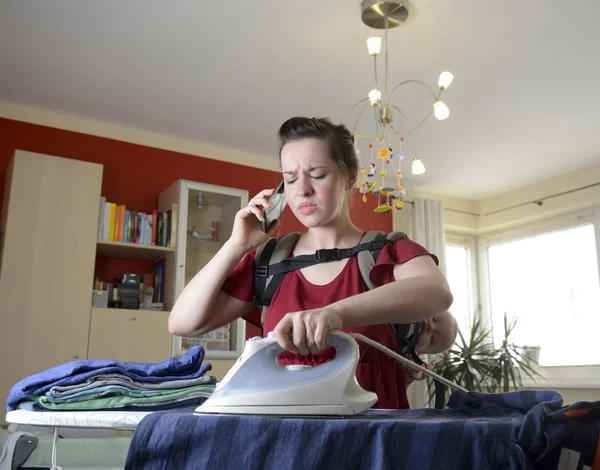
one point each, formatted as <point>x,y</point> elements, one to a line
<point>524,102</point>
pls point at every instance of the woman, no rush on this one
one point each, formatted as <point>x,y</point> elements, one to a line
<point>320,169</point>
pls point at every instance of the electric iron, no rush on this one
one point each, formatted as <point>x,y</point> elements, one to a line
<point>258,385</point>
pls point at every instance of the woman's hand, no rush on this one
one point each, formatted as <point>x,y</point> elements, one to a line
<point>412,375</point>
<point>247,228</point>
<point>304,332</point>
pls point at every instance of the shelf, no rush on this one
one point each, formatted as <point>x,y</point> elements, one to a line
<point>207,240</point>
<point>131,250</point>
<point>127,311</point>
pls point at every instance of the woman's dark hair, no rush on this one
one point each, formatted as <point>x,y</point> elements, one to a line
<point>338,138</point>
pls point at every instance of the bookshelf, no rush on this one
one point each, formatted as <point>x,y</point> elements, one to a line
<point>127,250</point>
<point>129,234</point>
<point>200,219</point>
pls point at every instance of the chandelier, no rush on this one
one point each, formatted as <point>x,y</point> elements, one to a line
<point>384,156</point>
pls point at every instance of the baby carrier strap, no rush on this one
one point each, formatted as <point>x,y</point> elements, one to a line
<point>367,259</point>
<point>266,283</point>
<point>273,262</point>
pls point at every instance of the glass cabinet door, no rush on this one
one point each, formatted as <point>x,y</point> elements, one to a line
<point>208,221</point>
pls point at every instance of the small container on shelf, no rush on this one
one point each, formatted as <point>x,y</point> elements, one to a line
<point>221,333</point>
<point>100,298</point>
<point>217,345</point>
<point>190,342</point>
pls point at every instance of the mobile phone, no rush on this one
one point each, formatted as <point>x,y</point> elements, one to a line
<point>278,203</point>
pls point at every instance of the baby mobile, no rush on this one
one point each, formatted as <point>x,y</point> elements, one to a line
<point>384,162</point>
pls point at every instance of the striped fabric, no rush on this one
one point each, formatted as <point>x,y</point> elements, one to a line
<point>519,430</point>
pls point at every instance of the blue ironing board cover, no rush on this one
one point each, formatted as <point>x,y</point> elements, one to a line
<point>518,430</point>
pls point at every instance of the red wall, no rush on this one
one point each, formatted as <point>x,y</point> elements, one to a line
<point>134,175</point>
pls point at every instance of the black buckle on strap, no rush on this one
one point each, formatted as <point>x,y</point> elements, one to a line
<point>333,254</point>
<point>261,271</point>
<point>326,255</point>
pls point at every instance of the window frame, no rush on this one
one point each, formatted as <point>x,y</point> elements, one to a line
<point>584,376</point>
<point>470,243</point>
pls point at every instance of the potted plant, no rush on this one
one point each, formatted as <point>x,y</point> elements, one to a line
<point>475,364</point>
<point>511,362</point>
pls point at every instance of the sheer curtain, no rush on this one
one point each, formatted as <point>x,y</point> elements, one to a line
<point>428,227</point>
<point>425,226</point>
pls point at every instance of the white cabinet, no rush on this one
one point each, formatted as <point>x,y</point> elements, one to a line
<point>129,335</point>
<point>48,230</point>
<point>205,215</point>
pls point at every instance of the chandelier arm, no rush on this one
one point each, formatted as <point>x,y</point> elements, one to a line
<point>387,68</point>
<point>371,137</point>
<point>435,97</point>
<point>410,131</point>
<point>375,67</point>
<point>376,123</point>
<point>405,121</point>
<point>359,114</point>
<point>418,126</point>
<point>359,102</point>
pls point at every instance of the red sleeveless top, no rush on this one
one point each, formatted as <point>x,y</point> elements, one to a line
<point>376,371</point>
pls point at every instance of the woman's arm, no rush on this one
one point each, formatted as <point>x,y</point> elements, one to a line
<point>202,306</point>
<point>420,292</point>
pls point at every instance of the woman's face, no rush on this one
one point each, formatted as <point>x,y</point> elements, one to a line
<point>315,187</point>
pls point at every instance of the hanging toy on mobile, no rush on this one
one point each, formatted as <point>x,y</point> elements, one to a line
<point>388,196</point>
<point>368,174</point>
<point>396,195</point>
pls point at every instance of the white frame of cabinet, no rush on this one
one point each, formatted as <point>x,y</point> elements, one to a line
<point>181,190</point>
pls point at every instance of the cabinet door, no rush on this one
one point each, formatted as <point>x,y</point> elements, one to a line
<point>129,335</point>
<point>50,220</point>
<point>205,221</point>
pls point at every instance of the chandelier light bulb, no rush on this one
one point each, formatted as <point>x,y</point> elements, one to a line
<point>445,80</point>
<point>417,167</point>
<point>374,45</point>
<point>374,97</point>
<point>440,110</point>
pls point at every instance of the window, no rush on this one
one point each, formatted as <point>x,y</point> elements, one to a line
<point>549,282</point>
<point>458,272</point>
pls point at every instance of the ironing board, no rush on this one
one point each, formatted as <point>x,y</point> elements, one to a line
<point>77,452</point>
<point>124,420</point>
<point>518,430</point>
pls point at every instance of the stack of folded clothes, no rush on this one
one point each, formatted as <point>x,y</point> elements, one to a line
<point>102,384</point>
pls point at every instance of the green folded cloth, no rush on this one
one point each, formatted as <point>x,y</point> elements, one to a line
<point>119,398</point>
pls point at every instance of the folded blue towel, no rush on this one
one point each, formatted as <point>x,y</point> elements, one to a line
<point>189,366</point>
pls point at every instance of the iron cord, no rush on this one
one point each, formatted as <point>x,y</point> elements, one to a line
<point>408,362</point>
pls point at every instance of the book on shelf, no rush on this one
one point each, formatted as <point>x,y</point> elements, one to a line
<point>118,223</point>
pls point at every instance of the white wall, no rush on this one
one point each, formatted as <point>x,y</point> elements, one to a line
<point>499,212</point>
